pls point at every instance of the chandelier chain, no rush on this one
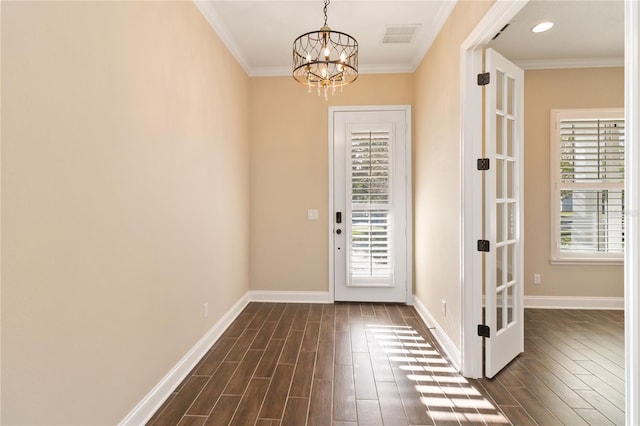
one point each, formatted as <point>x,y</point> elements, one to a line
<point>326,3</point>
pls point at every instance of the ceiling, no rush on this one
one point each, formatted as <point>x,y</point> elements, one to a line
<point>260,33</point>
<point>586,33</point>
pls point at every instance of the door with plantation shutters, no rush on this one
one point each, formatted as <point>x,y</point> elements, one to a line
<point>369,215</point>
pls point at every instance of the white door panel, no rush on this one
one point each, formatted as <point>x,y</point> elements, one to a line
<point>503,213</point>
<point>369,215</point>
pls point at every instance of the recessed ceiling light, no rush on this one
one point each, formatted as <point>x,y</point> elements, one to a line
<point>542,27</point>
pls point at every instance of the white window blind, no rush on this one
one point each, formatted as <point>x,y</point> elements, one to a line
<point>370,260</point>
<point>589,183</point>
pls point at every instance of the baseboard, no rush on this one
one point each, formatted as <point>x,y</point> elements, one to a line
<point>290,296</point>
<point>451,350</point>
<point>155,398</point>
<point>564,302</point>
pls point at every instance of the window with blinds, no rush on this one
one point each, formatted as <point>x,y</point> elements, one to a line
<point>370,260</point>
<point>589,185</point>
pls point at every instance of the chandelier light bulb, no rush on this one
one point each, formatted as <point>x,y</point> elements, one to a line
<point>308,57</point>
<point>343,57</point>
<point>327,53</point>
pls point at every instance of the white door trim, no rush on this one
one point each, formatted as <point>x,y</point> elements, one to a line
<point>632,220</point>
<point>408,198</point>
<point>471,148</point>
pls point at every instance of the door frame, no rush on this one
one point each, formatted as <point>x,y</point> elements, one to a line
<point>408,197</point>
<point>470,143</point>
<point>632,188</point>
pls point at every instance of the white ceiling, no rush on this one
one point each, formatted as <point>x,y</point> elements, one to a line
<point>260,33</point>
<point>586,33</point>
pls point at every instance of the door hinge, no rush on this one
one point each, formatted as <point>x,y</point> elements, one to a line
<point>483,164</point>
<point>483,245</point>
<point>484,78</point>
<point>484,330</point>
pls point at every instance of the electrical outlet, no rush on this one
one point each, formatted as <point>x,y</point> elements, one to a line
<point>444,307</point>
<point>536,279</point>
<point>205,310</point>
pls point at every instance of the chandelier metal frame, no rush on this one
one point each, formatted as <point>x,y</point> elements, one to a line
<point>325,58</point>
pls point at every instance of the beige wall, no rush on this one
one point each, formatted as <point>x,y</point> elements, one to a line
<point>556,89</point>
<point>124,201</point>
<point>437,211</point>
<point>289,174</point>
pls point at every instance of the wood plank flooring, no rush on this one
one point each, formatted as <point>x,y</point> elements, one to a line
<point>571,371</point>
<point>377,364</point>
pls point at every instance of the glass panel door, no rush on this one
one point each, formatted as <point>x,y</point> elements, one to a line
<point>503,214</point>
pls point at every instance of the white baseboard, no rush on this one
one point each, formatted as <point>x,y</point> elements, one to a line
<point>453,353</point>
<point>290,296</point>
<point>156,397</point>
<point>564,302</point>
<point>142,412</point>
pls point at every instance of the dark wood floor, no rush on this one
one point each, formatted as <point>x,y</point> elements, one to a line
<point>377,364</point>
<point>571,371</point>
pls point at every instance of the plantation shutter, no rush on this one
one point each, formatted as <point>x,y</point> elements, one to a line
<point>591,186</point>
<point>370,259</point>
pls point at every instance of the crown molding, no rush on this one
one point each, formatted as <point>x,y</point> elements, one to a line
<point>220,29</point>
<point>386,69</point>
<point>441,18</point>
<point>546,64</point>
<point>363,70</point>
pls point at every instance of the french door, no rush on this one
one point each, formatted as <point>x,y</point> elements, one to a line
<point>503,216</point>
<point>370,203</point>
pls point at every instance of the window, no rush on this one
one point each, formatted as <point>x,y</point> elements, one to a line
<point>587,182</point>
<point>371,251</point>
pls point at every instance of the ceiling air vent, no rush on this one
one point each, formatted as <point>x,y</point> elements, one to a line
<point>399,34</point>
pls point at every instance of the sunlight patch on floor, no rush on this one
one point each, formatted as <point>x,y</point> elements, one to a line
<point>447,390</point>
<point>446,395</point>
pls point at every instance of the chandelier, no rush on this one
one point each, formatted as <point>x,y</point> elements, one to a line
<point>325,59</point>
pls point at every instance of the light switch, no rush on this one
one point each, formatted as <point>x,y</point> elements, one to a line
<point>312,214</point>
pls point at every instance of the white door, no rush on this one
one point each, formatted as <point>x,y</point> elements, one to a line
<point>503,213</point>
<point>369,217</point>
